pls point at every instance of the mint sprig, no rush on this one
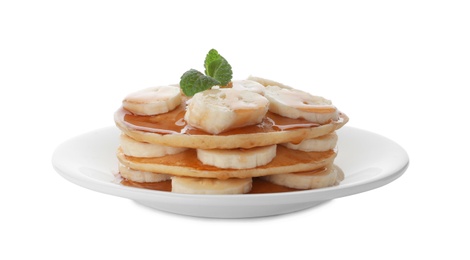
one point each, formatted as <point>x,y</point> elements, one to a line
<point>194,81</point>
<point>218,67</point>
<point>217,72</point>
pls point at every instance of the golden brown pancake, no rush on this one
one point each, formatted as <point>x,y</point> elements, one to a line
<point>187,164</point>
<point>169,129</point>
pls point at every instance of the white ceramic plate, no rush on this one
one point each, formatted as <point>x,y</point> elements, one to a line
<point>368,160</point>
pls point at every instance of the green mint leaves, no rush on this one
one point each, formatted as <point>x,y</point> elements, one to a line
<point>194,81</point>
<point>218,67</point>
<point>217,72</point>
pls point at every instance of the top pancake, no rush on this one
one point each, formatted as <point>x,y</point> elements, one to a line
<point>170,129</point>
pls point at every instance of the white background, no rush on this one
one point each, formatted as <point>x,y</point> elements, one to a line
<point>397,68</point>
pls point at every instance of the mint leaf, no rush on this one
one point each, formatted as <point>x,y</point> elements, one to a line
<point>211,56</point>
<point>217,72</point>
<point>193,81</point>
<point>221,71</point>
<point>218,67</point>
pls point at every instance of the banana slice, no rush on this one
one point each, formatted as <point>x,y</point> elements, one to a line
<point>141,176</point>
<point>191,185</point>
<point>249,85</point>
<point>340,175</point>
<point>294,103</point>
<point>319,144</point>
<point>153,101</point>
<point>237,158</point>
<point>268,82</point>
<point>219,110</point>
<point>321,178</point>
<point>131,147</point>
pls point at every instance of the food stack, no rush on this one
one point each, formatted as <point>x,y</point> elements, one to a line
<point>226,140</point>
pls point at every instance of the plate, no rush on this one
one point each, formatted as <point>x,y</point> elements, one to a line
<point>368,160</point>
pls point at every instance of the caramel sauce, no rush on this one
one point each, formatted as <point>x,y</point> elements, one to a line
<point>161,186</point>
<point>262,186</point>
<point>173,123</point>
<point>259,186</point>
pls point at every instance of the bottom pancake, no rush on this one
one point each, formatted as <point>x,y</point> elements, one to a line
<point>259,185</point>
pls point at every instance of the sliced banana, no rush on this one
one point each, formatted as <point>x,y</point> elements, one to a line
<point>340,175</point>
<point>141,176</point>
<point>131,147</point>
<point>294,103</point>
<point>191,185</point>
<point>237,158</point>
<point>321,178</point>
<point>268,82</point>
<point>153,101</point>
<point>319,144</point>
<point>249,85</point>
<point>219,110</point>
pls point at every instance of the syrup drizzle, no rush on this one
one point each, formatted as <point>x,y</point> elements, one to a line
<point>173,123</point>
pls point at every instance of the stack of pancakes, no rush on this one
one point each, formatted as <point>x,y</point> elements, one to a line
<point>197,148</point>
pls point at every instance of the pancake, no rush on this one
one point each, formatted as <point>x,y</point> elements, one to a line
<point>170,129</point>
<point>187,164</point>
